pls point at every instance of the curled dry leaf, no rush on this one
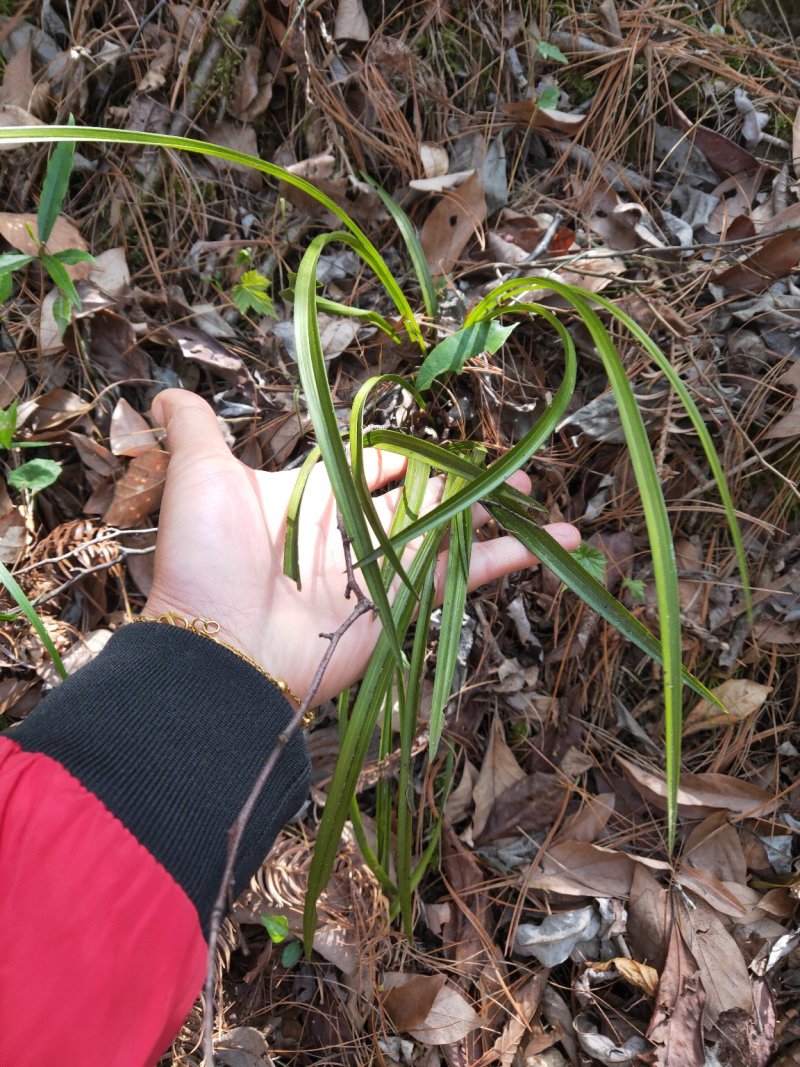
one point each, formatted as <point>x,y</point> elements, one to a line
<point>527,113</point>
<point>576,868</point>
<point>700,794</point>
<point>429,1008</point>
<point>130,434</point>
<point>741,697</point>
<point>452,223</point>
<point>499,772</point>
<point>17,228</point>
<point>351,21</point>
<point>434,159</point>
<point>676,1028</point>
<point>253,91</point>
<point>557,936</point>
<point>641,975</point>
<point>12,527</point>
<point>138,493</point>
<point>724,155</point>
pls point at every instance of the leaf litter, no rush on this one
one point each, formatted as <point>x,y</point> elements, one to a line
<point>664,177</point>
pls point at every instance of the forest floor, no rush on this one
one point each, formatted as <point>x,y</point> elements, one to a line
<point>664,171</point>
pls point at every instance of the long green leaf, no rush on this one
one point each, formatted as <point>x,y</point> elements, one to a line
<point>62,280</point>
<point>28,610</point>
<point>54,188</point>
<point>409,234</point>
<point>291,542</point>
<point>100,135</point>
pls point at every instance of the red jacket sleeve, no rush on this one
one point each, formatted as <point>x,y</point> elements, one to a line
<point>116,794</point>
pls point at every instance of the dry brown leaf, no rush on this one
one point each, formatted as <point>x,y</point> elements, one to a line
<point>94,456</point>
<point>56,407</point>
<point>689,559</point>
<point>741,697</point>
<point>15,227</point>
<point>529,805</point>
<point>576,868</point>
<point>12,377</point>
<point>526,1001</point>
<point>789,424</point>
<point>50,338</point>
<point>527,113</point>
<point>138,492</point>
<point>775,259</point>
<point>11,115</point>
<point>155,76</point>
<point>648,917</point>
<point>198,346</point>
<point>676,1028</point>
<point>448,1015</point>
<point>589,821</point>
<point>698,794</point>
<point>724,155</point>
<point>19,89</point>
<point>253,91</point>
<point>409,997</point>
<point>240,138</point>
<point>12,527</point>
<point>796,144</point>
<point>130,434</point>
<point>464,935</point>
<point>460,800</point>
<point>714,846</point>
<point>499,772</point>
<point>452,223</point>
<point>641,975</point>
<point>351,22</point>
<point>110,272</point>
<point>722,968</point>
<point>733,900</point>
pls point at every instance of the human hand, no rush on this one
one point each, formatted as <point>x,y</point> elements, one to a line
<point>219,553</point>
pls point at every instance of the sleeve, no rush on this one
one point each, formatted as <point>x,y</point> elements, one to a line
<point>116,795</point>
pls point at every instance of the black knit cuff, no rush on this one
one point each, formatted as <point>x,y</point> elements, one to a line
<point>169,730</point>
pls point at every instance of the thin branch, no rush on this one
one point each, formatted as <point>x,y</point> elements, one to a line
<point>363,606</point>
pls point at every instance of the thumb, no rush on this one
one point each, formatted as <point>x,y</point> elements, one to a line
<point>193,432</point>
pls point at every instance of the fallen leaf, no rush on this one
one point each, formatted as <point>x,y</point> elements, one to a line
<point>336,944</point>
<point>452,223</point>
<point>724,155</point>
<point>12,377</point>
<point>155,76</point>
<point>110,272</point>
<point>50,339</point>
<point>499,771</point>
<point>590,820</point>
<point>138,492</point>
<point>727,900</point>
<point>722,968</point>
<point>557,936</point>
<point>527,113</point>
<point>441,182</point>
<point>12,527</point>
<point>336,333</point>
<point>253,90</point>
<point>526,1001</point>
<point>198,346</point>
<point>449,1016</point>
<point>676,1028</point>
<point>576,868</point>
<point>14,227</point>
<point>351,22</point>
<point>18,88</point>
<point>464,935</point>
<point>796,144</point>
<point>700,793</point>
<point>434,159</point>
<point>634,973</point>
<point>714,846</point>
<point>529,805</point>
<point>788,425</point>
<point>777,257</point>
<point>648,917</point>
<point>460,800</point>
<point>243,1046</point>
<point>607,1050</point>
<point>241,138</point>
<point>11,115</point>
<point>742,697</point>
<point>745,1039</point>
<point>130,434</point>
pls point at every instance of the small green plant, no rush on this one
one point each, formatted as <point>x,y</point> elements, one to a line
<point>395,673</point>
<point>54,189</point>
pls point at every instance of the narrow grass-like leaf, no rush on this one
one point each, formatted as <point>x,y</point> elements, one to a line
<point>595,595</point>
<point>100,135</point>
<point>28,610</point>
<point>54,188</point>
<point>409,234</point>
<point>291,543</point>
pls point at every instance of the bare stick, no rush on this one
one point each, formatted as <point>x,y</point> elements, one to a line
<point>236,832</point>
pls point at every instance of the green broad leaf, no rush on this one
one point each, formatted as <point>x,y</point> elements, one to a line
<point>548,97</point>
<point>71,256</point>
<point>6,285</point>
<point>635,586</point>
<point>592,560</point>
<point>62,281</point>
<point>292,951</point>
<point>54,189</point>
<point>550,51</point>
<point>451,354</point>
<point>34,475</point>
<point>277,926</point>
<point>251,293</point>
<point>62,313</point>
<point>14,261</point>
<point>12,585</point>
<point>8,424</point>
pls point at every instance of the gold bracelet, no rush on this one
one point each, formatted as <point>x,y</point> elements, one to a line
<point>209,628</point>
